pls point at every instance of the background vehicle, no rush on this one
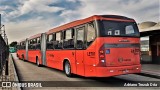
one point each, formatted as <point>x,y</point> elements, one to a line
<point>12,49</point>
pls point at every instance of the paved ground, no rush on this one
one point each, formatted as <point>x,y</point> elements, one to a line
<point>30,72</point>
<point>153,69</point>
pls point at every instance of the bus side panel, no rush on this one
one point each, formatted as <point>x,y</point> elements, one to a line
<point>32,55</point>
<point>55,59</point>
<point>50,57</point>
<point>38,54</point>
<point>17,53</point>
<point>24,54</point>
<point>57,62</point>
<point>69,55</point>
<point>20,53</point>
<point>90,58</point>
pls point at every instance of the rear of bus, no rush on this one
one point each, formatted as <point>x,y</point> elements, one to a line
<point>118,46</point>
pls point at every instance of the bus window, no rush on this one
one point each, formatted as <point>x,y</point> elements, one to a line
<point>35,41</point>
<point>50,37</point>
<point>91,33</point>
<point>80,37</point>
<point>38,39</point>
<point>119,28</point>
<point>24,45</point>
<point>21,45</point>
<point>50,42</point>
<point>58,43</point>
<point>37,46</point>
<point>28,42</point>
<point>58,36</point>
<point>30,45</point>
<point>68,39</point>
<point>68,34</point>
<point>38,43</point>
<point>129,29</point>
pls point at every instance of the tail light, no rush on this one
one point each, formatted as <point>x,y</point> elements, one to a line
<point>102,59</point>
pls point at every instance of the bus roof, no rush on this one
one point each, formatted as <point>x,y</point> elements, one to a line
<point>72,24</point>
<point>82,21</point>
<point>94,17</point>
<point>31,37</point>
<point>35,36</point>
<point>22,40</point>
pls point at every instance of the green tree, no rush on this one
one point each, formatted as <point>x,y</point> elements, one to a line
<point>13,44</point>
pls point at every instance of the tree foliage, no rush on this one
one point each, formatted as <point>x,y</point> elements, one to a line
<point>13,44</point>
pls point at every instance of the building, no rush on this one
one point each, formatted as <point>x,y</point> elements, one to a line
<point>150,42</point>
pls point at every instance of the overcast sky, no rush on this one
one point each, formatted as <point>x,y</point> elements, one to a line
<point>24,18</point>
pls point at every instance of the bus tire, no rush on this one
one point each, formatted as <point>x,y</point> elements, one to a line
<point>67,69</point>
<point>17,56</point>
<point>37,62</point>
<point>23,58</point>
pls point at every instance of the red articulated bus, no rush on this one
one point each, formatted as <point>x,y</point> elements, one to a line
<point>98,46</point>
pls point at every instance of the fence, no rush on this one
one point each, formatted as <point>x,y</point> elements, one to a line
<point>4,53</point>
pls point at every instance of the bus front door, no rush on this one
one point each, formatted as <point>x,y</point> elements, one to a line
<point>80,50</point>
<point>80,62</point>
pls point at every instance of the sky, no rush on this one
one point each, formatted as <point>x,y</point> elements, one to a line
<point>24,18</point>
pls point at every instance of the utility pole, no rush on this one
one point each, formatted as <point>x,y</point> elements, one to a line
<point>0,24</point>
<point>0,21</point>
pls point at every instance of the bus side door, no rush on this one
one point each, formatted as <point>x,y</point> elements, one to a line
<point>80,50</point>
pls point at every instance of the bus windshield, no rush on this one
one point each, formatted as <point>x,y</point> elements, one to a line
<point>119,28</point>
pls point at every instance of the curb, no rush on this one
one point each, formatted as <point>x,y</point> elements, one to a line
<point>15,72</point>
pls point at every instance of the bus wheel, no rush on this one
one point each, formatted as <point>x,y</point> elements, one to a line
<point>37,62</point>
<point>23,58</point>
<point>67,69</point>
<point>17,56</point>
